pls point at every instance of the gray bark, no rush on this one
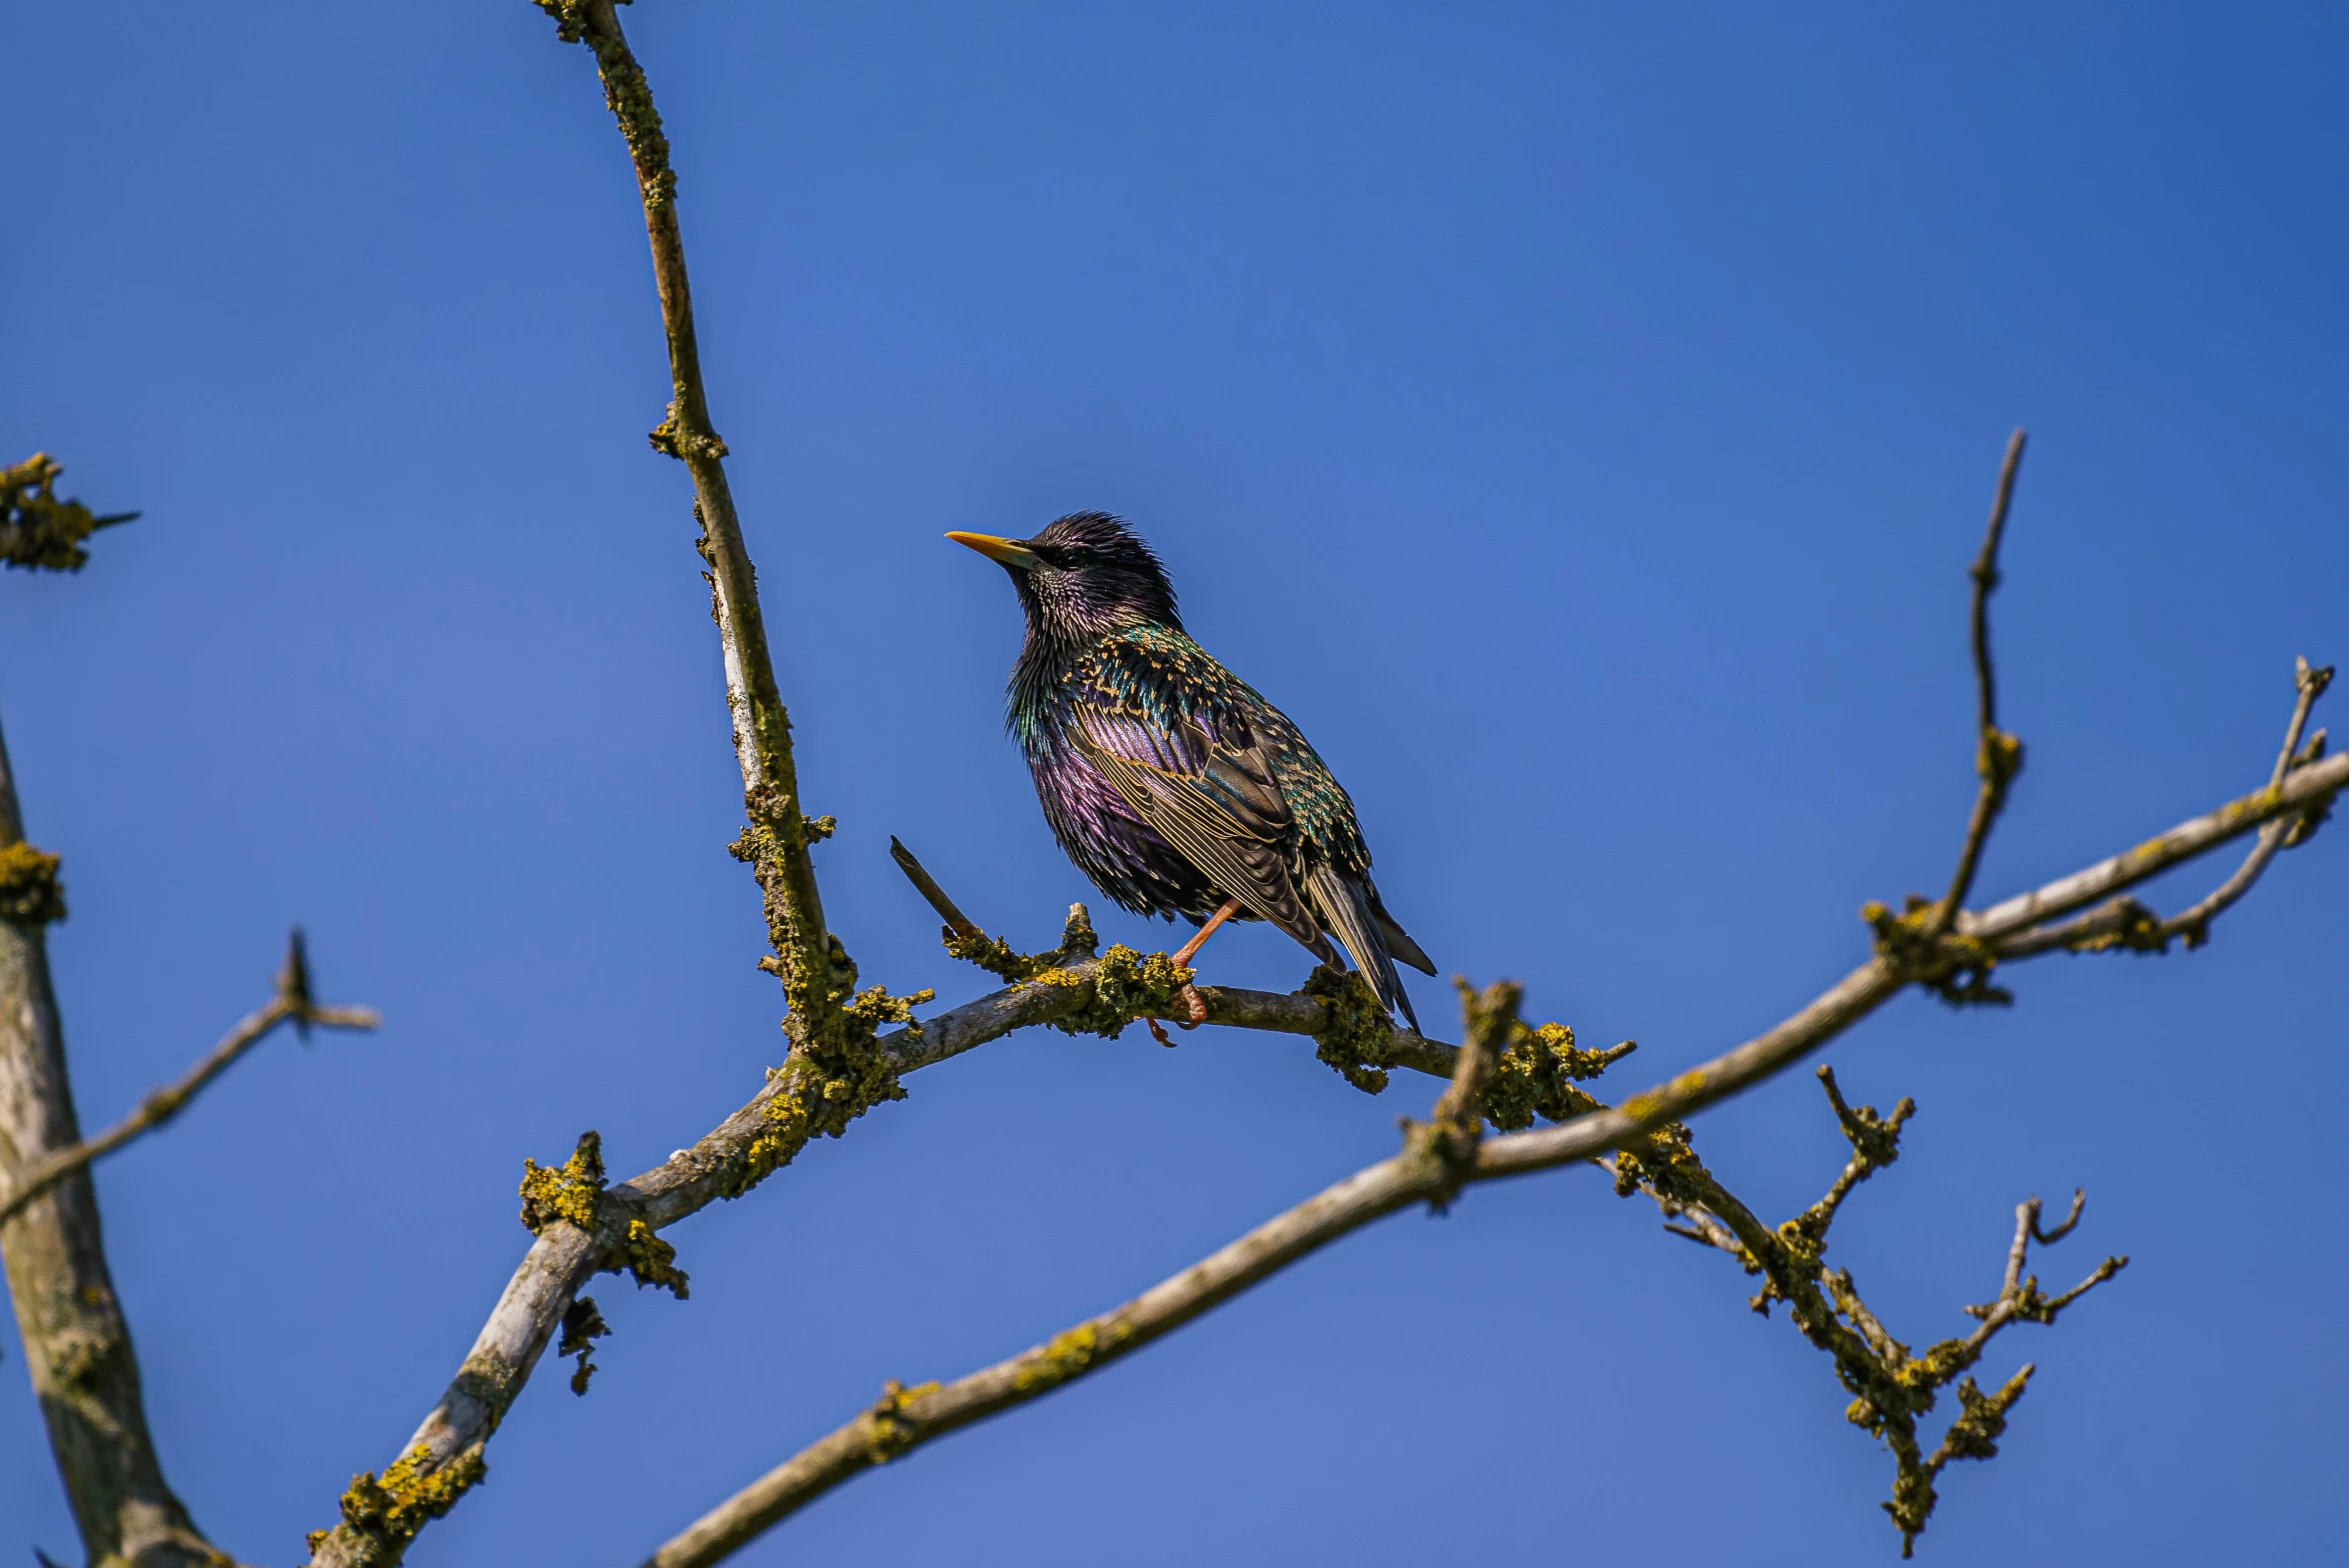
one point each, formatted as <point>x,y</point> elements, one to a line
<point>77,1345</point>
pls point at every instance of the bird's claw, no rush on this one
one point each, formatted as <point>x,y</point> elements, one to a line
<point>1194,1014</point>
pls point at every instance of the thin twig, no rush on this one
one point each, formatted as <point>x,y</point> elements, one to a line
<point>292,1004</point>
<point>2048,1238</point>
<point>2194,924</point>
<point>1892,1387</point>
<point>2026,1226</point>
<point>926,885</point>
<point>2309,682</point>
<point>1998,756</point>
<point>2303,789</point>
<point>1705,1230</point>
<point>2123,922</point>
<point>1986,579</point>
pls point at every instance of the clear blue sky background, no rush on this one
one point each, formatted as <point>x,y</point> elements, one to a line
<point>1579,419</point>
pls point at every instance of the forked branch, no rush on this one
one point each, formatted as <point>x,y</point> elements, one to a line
<point>1437,1158</point>
<point>2125,923</point>
<point>1891,1388</point>
<point>292,1004</point>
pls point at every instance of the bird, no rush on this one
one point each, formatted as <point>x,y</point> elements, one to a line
<point>1168,780</point>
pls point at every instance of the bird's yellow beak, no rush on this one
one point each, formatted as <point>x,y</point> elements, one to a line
<point>1009,551</point>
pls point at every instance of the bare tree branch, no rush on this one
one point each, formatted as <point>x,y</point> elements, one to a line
<point>1868,987</point>
<point>835,1070</point>
<point>77,1343</point>
<point>564,1258</point>
<point>2305,789</point>
<point>292,1004</point>
<point>1891,1388</point>
<point>904,1418</point>
<point>957,923</point>
<point>776,842</point>
<point>1437,1159</point>
<point>1998,756</point>
<point>2123,922</point>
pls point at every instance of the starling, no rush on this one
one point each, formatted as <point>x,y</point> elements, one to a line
<point>1166,778</point>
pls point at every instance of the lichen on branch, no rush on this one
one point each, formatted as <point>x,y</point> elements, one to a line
<point>30,893</point>
<point>583,1325</point>
<point>1951,964</point>
<point>570,1191</point>
<point>387,1511</point>
<point>1123,985</point>
<point>39,531</point>
<point>1891,1388</point>
<point>1354,1044</point>
<point>1078,941</point>
<point>573,1192</point>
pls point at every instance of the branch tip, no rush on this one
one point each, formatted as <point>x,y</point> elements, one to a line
<point>1998,756</point>
<point>2048,1238</point>
<point>958,924</point>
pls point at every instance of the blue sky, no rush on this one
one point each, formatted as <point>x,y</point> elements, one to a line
<point>1578,419</point>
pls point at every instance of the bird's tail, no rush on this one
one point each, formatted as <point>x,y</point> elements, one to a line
<point>1348,908</point>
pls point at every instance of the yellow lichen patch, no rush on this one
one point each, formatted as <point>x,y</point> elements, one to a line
<point>890,1431</point>
<point>1354,1040</point>
<point>390,1509</point>
<point>652,1261</point>
<point>1069,1354</point>
<point>1126,985</point>
<point>999,958</point>
<point>38,531</point>
<point>30,894</point>
<point>1952,965</point>
<point>1536,1075</point>
<point>814,1099</point>
<point>1998,758</point>
<point>568,1191</point>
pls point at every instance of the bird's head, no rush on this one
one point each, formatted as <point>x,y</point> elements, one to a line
<point>1085,573</point>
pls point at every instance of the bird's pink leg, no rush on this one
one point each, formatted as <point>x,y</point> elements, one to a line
<point>1189,950</point>
<point>1193,1003</point>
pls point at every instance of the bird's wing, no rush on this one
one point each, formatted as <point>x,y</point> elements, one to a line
<point>1211,796</point>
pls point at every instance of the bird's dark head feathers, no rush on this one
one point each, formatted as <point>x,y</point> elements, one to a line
<point>1084,574</point>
